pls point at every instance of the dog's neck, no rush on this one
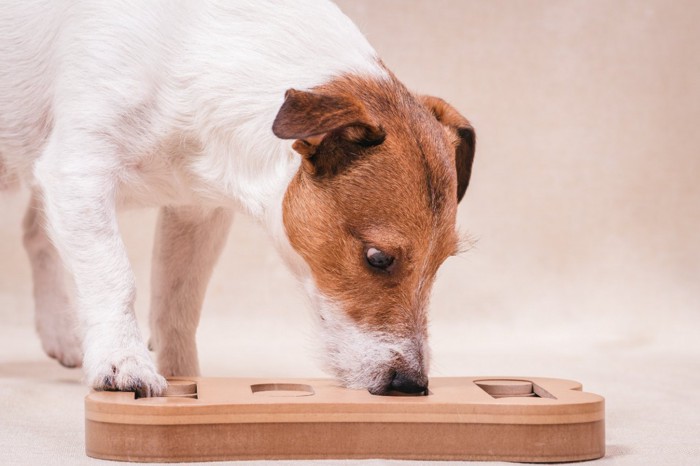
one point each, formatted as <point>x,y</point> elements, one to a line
<point>240,160</point>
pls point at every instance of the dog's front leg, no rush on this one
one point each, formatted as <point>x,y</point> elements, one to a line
<point>188,242</point>
<point>78,174</point>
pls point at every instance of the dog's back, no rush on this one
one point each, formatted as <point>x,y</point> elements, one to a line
<point>145,71</point>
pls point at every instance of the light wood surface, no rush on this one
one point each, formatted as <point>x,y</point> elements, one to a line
<point>467,418</point>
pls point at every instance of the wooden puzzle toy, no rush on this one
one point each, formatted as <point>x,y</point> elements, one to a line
<point>519,419</point>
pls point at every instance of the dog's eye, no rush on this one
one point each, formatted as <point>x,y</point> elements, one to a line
<point>379,259</point>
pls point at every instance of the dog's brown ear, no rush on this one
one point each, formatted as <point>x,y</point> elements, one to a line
<point>317,120</point>
<point>466,144</point>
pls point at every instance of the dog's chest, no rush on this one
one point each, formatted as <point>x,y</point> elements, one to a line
<point>157,179</point>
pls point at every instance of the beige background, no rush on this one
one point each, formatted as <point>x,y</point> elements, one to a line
<point>584,204</point>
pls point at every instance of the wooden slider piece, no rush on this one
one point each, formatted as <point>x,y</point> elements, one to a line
<point>463,418</point>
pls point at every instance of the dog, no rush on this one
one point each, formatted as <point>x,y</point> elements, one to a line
<point>203,108</point>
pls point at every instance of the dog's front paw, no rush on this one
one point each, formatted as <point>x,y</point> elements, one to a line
<point>126,371</point>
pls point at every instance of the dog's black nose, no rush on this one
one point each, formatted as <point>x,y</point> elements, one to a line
<point>407,384</point>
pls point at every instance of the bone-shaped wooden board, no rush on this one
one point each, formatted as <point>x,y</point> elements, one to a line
<point>462,418</point>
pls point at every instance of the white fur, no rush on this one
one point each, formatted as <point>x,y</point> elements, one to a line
<point>362,357</point>
<point>112,103</point>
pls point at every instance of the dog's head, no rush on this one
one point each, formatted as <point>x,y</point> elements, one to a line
<point>372,212</point>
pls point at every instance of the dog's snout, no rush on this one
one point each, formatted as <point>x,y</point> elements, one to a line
<point>405,383</point>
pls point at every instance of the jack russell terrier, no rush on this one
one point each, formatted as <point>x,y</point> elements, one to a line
<point>281,110</point>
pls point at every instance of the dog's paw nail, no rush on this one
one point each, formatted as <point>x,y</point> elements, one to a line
<point>142,390</point>
<point>107,383</point>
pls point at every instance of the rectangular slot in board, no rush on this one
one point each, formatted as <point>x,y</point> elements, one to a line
<point>281,389</point>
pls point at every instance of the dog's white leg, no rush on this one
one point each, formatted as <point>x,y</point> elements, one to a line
<point>188,243</point>
<point>78,174</point>
<point>55,316</point>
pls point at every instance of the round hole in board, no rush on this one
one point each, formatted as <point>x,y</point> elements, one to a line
<point>281,389</point>
<point>178,387</point>
<point>502,388</point>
